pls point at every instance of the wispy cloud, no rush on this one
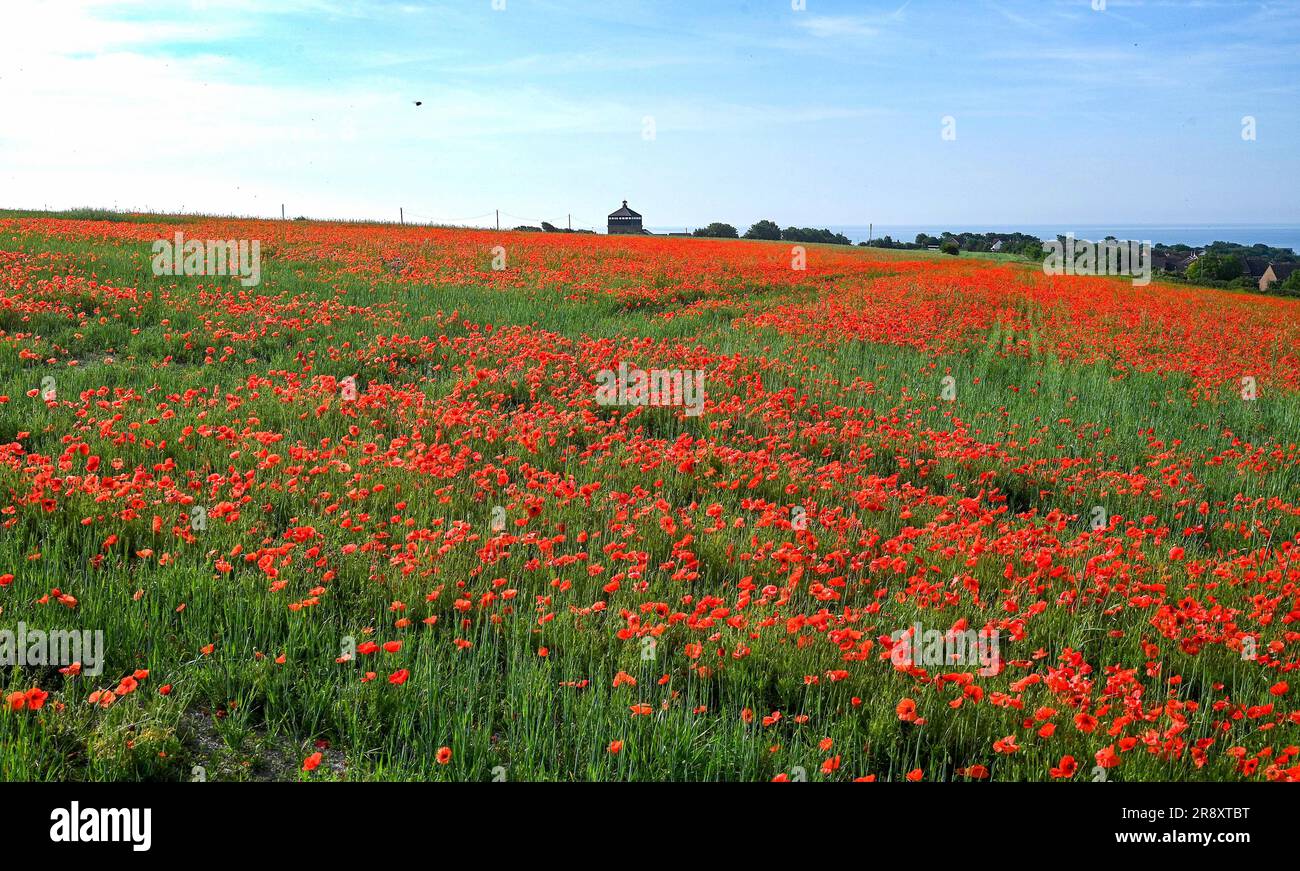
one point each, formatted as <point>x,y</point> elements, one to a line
<point>849,26</point>
<point>832,26</point>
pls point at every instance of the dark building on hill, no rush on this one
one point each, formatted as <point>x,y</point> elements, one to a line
<point>1178,261</point>
<point>625,220</point>
<point>1254,266</point>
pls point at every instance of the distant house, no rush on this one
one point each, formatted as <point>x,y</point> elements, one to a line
<point>625,220</point>
<point>1179,261</point>
<point>1274,273</point>
<point>1255,267</point>
<point>997,246</point>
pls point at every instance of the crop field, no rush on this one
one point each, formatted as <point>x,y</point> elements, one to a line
<point>372,518</point>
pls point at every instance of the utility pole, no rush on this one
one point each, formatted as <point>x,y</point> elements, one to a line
<point>570,222</point>
<point>498,219</point>
<point>870,228</point>
<point>281,211</point>
<point>401,216</point>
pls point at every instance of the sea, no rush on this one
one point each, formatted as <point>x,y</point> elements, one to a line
<point>1273,235</point>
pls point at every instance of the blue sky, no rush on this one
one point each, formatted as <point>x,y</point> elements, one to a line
<point>830,114</point>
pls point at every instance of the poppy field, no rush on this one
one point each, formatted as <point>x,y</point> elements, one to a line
<point>368,520</point>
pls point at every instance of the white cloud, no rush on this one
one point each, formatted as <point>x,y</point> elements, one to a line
<point>829,26</point>
<point>850,26</point>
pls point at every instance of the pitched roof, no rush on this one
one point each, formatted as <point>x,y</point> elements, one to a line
<point>1255,266</point>
<point>1283,270</point>
<point>624,212</point>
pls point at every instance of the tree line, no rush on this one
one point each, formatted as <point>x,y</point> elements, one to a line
<point>772,232</point>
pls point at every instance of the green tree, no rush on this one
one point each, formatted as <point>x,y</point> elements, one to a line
<point>809,234</point>
<point>1214,267</point>
<point>950,246</point>
<point>1033,251</point>
<point>764,229</point>
<point>718,230</point>
<point>1290,287</point>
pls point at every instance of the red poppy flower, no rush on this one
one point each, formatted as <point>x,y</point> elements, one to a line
<point>1065,768</point>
